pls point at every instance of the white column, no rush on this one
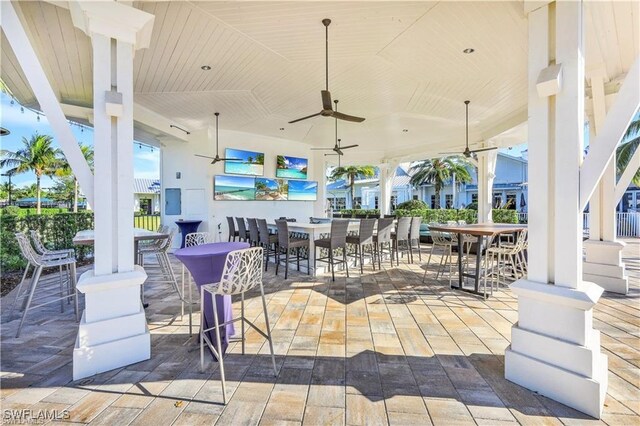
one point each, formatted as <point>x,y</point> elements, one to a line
<point>603,264</point>
<point>387,175</point>
<point>486,175</point>
<point>554,349</point>
<point>113,330</point>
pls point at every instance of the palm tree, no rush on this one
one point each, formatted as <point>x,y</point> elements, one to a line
<point>37,156</point>
<point>350,174</point>
<point>627,148</point>
<point>437,171</point>
<point>64,170</point>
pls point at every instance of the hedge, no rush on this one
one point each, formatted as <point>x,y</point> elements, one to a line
<point>56,232</point>
<point>470,216</point>
<point>354,212</point>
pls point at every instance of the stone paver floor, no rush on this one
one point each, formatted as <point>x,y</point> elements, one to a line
<point>373,349</point>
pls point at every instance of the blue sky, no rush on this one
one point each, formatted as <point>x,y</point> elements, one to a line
<point>295,162</point>
<point>24,124</point>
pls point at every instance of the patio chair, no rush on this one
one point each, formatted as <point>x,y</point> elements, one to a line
<point>242,272</point>
<point>362,240</point>
<point>254,235</point>
<point>336,240</point>
<point>414,236</point>
<point>190,240</point>
<point>39,263</point>
<point>504,259</point>
<point>401,236</point>
<point>382,238</point>
<point>287,243</point>
<point>42,250</point>
<point>441,241</point>
<point>232,229</point>
<point>268,241</point>
<point>243,234</point>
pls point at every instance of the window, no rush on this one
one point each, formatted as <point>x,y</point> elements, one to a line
<point>376,203</point>
<point>448,201</point>
<point>433,201</point>
<point>474,198</point>
<point>394,202</point>
<point>511,201</point>
<point>339,203</point>
<point>497,200</point>
<point>415,197</point>
<point>638,201</point>
<point>357,202</point>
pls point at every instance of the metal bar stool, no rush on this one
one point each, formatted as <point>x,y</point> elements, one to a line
<point>268,241</point>
<point>287,243</point>
<point>337,240</point>
<point>362,240</point>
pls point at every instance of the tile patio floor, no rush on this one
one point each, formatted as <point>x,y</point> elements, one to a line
<point>377,349</point>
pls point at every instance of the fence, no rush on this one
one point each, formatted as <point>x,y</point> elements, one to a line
<point>149,222</point>
<point>627,224</point>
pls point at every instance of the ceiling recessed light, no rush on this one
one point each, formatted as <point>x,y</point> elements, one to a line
<point>469,50</point>
<point>281,128</point>
<point>405,130</point>
<point>205,67</point>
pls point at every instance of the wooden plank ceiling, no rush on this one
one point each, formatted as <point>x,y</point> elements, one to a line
<point>399,64</point>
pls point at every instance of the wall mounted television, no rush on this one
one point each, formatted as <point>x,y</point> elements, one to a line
<point>234,188</point>
<point>303,190</point>
<point>291,167</point>
<point>252,163</point>
<point>271,189</point>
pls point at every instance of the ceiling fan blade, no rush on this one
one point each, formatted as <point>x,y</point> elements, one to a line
<point>204,156</point>
<point>348,146</point>
<point>229,159</point>
<point>484,149</point>
<point>304,118</point>
<point>451,153</point>
<point>321,149</point>
<point>345,117</point>
<point>326,99</point>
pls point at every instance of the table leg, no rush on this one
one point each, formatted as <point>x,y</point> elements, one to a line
<point>460,251</point>
<point>478,263</point>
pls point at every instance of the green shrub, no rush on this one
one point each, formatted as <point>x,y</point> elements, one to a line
<point>412,205</point>
<point>472,206</point>
<point>11,211</point>
<point>469,216</point>
<point>505,216</point>
<point>354,212</point>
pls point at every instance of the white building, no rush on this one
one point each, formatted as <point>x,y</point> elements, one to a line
<point>146,194</point>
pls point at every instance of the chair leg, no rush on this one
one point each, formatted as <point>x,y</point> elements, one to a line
<point>410,243</point>
<point>201,329</point>
<point>361,249</point>
<point>190,306</point>
<point>34,283</point>
<point>298,257</point>
<point>308,262</point>
<point>15,300</point>
<point>286,264</point>
<point>73,277</point>
<point>344,258</point>
<point>277,259</point>
<point>333,275</point>
<point>182,302</point>
<point>242,320</point>
<point>219,345</point>
<point>419,251</point>
<point>266,321</point>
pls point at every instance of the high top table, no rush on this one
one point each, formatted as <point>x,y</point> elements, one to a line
<point>87,238</point>
<point>206,263</point>
<point>187,227</point>
<point>479,230</point>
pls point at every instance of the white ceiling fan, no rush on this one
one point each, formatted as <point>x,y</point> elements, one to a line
<point>217,158</point>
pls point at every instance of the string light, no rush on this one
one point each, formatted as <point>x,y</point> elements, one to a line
<point>38,117</point>
<point>12,102</point>
<point>22,110</point>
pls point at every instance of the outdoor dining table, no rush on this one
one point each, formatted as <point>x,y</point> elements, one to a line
<point>205,263</point>
<point>87,238</point>
<point>480,231</point>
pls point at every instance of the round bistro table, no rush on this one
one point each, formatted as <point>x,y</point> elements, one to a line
<point>187,227</point>
<point>205,263</point>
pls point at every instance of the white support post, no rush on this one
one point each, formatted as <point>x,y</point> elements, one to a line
<point>603,263</point>
<point>387,175</point>
<point>486,174</point>
<point>554,349</point>
<point>113,331</point>
<point>627,176</point>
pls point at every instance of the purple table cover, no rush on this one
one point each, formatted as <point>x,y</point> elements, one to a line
<point>205,263</point>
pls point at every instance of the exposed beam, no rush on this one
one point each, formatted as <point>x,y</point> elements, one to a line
<point>47,99</point>
<point>627,176</point>
<point>615,125</point>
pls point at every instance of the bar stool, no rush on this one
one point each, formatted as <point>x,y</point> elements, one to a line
<point>414,235</point>
<point>163,271</point>
<point>287,243</point>
<point>363,239</point>
<point>243,234</point>
<point>232,229</point>
<point>337,240</point>
<point>254,238</point>
<point>402,236</point>
<point>40,262</point>
<point>242,272</point>
<point>441,241</point>
<point>268,241</point>
<point>382,238</point>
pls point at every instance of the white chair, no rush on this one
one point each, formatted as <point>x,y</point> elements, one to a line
<point>499,258</point>
<point>42,250</point>
<point>40,262</point>
<point>242,272</point>
<point>190,240</point>
<point>441,241</point>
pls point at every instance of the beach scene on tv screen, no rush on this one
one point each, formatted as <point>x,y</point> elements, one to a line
<point>291,167</point>
<point>302,190</point>
<point>251,163</point>
<point>271,189</point>
<point>234,188</point>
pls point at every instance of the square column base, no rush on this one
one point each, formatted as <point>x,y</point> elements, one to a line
<point>113,330</point>
<point>603,265</point>
<point>554,349</point>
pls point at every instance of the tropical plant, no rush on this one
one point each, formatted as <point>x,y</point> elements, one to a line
<point>437,171</point>
<point>37,155</point>
<point>412,205</point>
<point>350,174</point>
<point>631,142</point>
<point>6,189</point>
<point>64,172</point>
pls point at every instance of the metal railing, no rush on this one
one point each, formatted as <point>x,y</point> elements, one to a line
<point>149,222</point>
<point>627,224</point>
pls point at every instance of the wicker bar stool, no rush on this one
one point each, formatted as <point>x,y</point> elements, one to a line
<point>254,237</point>
<point>362,240</point>
<point>287,243</point>
<point>243,234</point>
<point>337,240</point>
<point>233,233</point>
<point>414,235</point>
<point>382,238</point>
<point>402,236</point>
<point>268,241</point>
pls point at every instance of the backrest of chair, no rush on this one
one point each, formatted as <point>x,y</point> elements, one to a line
<point>165,245</point>
<point>37,242</point>
<point>162,229</point>
<point>283,233</point>
<point>242,228</point>
<point>452,222</point>
<point>522,239</point>
<point>414,231</point>
<point>253,230</point>
<point>402,232</point>
<point>366,230</point>
<point>196,239</point>
<point>462,222</point>
<point>27,250</point>
<point>438,237</point>
<point>232,226</point>
<point>263,231</point>
<point>339,228</point>
<point>242,271</point>
<point>385,226</point>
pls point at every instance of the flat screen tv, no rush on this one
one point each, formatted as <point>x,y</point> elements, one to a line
<point>251,163</point>
<point>291,167</point>
<point>303,190</point>
<point>271,189</point>
<point>234,188</point>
